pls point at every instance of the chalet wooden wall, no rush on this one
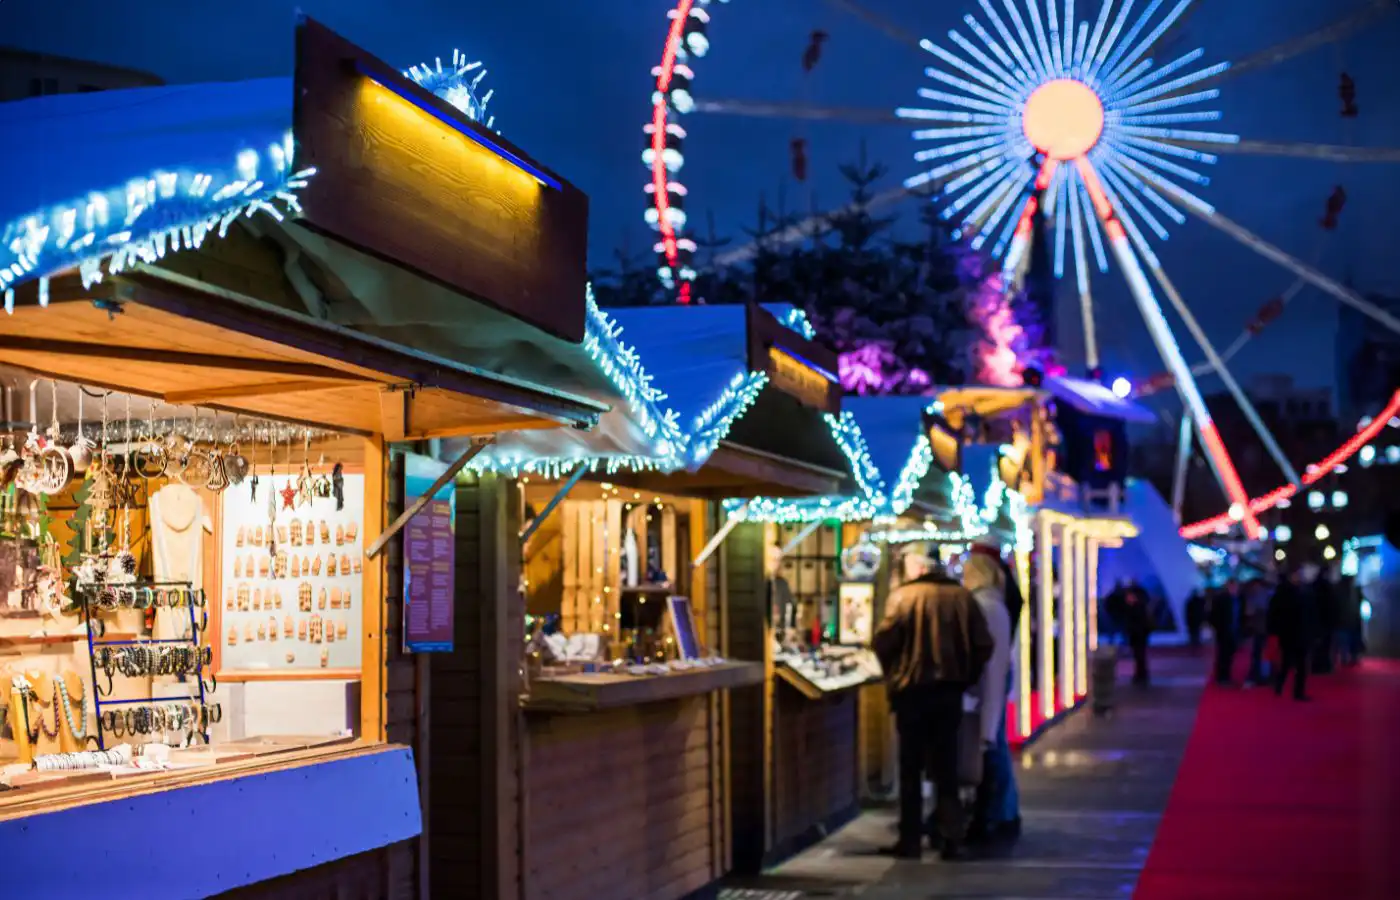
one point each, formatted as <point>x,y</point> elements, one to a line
<point>385,874</point>
<point>815,770</point>
<point>472,756</point>
<point>624,803</point>
<point>745,628</point>
<point>628,802</point>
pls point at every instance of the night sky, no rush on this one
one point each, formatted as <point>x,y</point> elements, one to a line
<point>573,89</point>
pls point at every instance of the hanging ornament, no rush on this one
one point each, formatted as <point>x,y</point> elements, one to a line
<point>322,486</point>
<point>338,486</point>
<point>799,158</point>
<point>57,466</point>
<point>1336,202</point>
<point>235,463</point>
<point>305,482</point>
<point>1346,90</point>
<point>289,491</point>
<point>195,465</point>
<point>31,473</point>
<point>81,451</point>
<point>271,495</point>
<point>150,459</point>
<point>253,480</point>
<point>813,54</point>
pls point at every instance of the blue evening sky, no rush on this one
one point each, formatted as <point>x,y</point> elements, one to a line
<point>573,88</point>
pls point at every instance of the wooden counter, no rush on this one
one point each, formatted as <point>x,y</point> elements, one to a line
<point>630,800</point>
<point>592,692</point>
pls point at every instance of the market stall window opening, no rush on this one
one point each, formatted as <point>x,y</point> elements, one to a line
<point>179,588</point>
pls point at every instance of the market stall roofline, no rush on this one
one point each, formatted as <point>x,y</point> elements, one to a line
<point>151,337</point>
<point>114,176</point>
<point>337,342</point>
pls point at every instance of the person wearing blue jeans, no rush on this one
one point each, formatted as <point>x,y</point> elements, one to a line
<point>1001,807</point>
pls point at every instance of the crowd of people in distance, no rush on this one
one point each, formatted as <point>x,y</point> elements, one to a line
<point>1307,621</point>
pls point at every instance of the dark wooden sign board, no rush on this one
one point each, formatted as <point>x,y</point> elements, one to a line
<point>410,182</point>
<point>797,366</point>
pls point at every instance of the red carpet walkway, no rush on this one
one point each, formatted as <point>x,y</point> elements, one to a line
<point>1287,801</point>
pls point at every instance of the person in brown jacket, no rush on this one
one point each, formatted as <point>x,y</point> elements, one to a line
<point>932,645</point>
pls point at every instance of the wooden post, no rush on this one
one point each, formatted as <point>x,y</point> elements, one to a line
<point>1046,550</point>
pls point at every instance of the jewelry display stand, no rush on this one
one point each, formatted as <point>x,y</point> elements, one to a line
<point>88,596</point>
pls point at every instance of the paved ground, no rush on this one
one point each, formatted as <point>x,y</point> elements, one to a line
<point>1092,793</point>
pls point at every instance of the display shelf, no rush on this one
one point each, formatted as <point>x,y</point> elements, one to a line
<point>35,640</point>
<point>811,684</point>
<point>591,692</point>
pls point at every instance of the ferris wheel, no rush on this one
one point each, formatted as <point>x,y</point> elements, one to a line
<point>1038,114</point>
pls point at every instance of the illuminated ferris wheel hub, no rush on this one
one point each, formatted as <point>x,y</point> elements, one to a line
<point>1063,119</point>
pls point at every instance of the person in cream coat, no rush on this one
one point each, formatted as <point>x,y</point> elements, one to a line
<point>996,813</point>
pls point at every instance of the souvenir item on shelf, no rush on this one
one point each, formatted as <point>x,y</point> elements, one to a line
<point>325,658</point>
<point>345,564</point>
<point>332,565</point>
<point>341,629</point>
<point>272,631</point>
<point>325,530</point>
<point>339,535</point>
<point>321,599</point>
<point>316,566</point>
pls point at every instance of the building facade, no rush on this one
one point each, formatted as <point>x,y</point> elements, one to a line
<point>24,73</point>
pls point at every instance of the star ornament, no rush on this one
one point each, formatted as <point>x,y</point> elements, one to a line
<point>1028,99</point>
<point>289,495</point>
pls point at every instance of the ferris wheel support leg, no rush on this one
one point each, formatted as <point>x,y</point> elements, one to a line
<point>1183,459</point>
<point>1241,398</point>
<point>1167,346</point>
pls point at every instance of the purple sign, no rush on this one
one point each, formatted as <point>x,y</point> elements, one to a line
<point>429,554</point>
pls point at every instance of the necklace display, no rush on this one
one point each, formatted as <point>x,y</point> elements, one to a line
<point>77,729</point>
<point>51,734</point>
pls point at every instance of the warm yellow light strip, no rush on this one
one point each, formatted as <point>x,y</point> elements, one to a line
<point>1093,594</point>
<point>1023,639</point>
<point>1081,614</point>
<point>1067,604</point>
<point>1046,551</point>
<point>1095,526</point>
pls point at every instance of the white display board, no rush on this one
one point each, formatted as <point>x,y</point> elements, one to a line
<point>291,590</point>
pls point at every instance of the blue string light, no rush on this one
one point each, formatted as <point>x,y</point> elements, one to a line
<point>141,221</point>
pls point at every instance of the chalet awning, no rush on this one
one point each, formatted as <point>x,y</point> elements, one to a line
<point>156,336</point>
<point>752,430</point>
